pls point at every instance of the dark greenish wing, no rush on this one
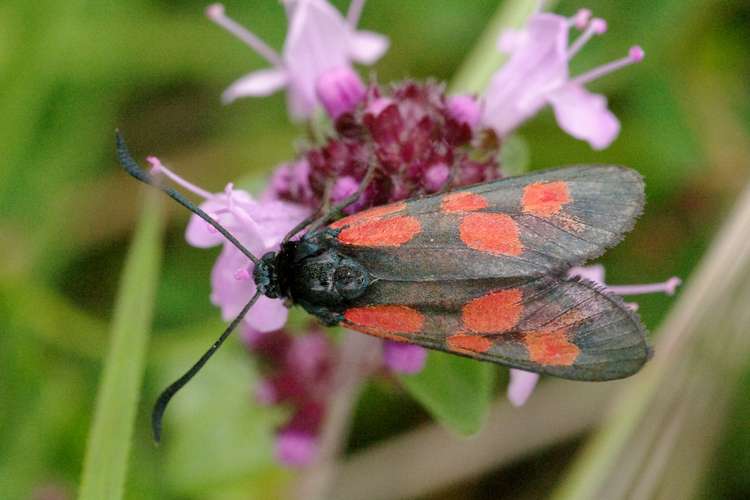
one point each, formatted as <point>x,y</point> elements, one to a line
<point>530,225</point>
<point>549,325</point>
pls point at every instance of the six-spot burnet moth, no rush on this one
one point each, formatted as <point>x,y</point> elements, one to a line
<point>479,272</point>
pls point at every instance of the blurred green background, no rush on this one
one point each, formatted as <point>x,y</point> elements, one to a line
<point>71,72</point>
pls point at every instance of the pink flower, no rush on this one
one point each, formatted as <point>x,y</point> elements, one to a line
<point>404,358</point>
<point>537,74</point>
<point>340,90</point>
<point>297,371</point>
<point>291,181</point>
<point>318,41</point>
<point>596,272</point>
<point>465,109</point>
<point>259,226</point>
<point>521,385</point>
<point>296,448</point>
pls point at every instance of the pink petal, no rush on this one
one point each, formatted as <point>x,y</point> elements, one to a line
<point>317,41</point>
<point>404,358</point>
<point>340,90</point>
<point>343,187</point>
<point>256,84</point>
<point>435,177</point>
<point>465,109</point>
<point>366,47</point>
<point>594,272</point>
<point>296,449</point>
<point>228,293</point>
<point>198,232</point>
<point>275,219</point>
<point>309,354</point>
<point>290,181</point>
<point>585,115</point>
<point>510,39</point>
<point>267,315</point>
<point>538,63</point>
<point>522,384</point>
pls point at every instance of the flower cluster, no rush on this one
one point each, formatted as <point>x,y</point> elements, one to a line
<point>319,40</point>
<point>419,140</point>
<point>297,371</point>
<point>260,227</point>
<point>537,74</point>
<point>413,137</point>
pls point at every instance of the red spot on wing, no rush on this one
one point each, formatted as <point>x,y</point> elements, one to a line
<point>463,202</point>
<point>385,320</point>
<point>495,312</point>
<point>468,344</point>
<point>392,232</point>
<point>374,213</point>
<point>545,199</point>
<point>492,233</point>
<point>551,347</point>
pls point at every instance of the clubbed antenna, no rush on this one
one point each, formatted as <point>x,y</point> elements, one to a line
<point>161,404</point>
<point>130,166</point>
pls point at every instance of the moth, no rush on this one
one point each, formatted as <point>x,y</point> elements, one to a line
<point>479,272</point>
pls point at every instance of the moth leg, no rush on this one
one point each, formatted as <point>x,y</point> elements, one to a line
<point>315,215</point>
<point>317,220</point>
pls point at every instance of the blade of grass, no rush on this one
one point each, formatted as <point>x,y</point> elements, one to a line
<point>108,447</point>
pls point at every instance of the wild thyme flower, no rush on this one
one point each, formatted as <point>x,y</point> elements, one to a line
<point>420,141</point>
<point>403,358</point>
<point>320,43</point>
<point>537,74</point>
<point>595,273</point>
<point>259,226</point>
<point>298,375</point>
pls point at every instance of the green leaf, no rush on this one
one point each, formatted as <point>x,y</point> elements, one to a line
<point>456,391</point>
<point>108,447</point>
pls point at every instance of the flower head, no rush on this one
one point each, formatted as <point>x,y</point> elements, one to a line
<point>419,141</point>
<point>297,373</point>
<point>320,43</point>
<point>537,74</point>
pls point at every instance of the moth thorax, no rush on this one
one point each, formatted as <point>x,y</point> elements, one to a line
<point>330,278</point>
<point>351,279</point>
